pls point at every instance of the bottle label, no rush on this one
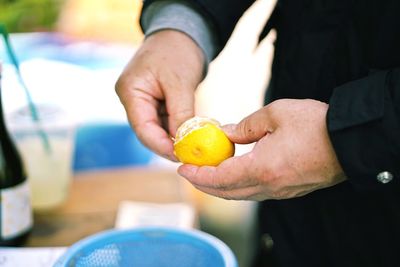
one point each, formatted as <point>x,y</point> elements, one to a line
<point>16,211</point>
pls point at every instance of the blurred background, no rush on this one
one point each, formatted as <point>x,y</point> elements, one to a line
<point>71,53</point>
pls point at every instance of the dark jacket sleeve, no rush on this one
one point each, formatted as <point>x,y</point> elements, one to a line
<point>221,14</point>
<point>364,126</point>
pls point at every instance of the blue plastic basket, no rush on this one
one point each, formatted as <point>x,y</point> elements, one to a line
<point>149,247</point>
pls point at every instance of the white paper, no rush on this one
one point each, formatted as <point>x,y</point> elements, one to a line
<point>32,257</point>
<point>135,214</point>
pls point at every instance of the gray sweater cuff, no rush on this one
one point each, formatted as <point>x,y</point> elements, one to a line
<point>181,16</point>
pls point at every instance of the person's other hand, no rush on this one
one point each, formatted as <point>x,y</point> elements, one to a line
<point>293,155</point>
<point>157,88</point>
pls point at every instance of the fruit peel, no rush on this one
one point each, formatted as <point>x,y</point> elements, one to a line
<point>200,141</point>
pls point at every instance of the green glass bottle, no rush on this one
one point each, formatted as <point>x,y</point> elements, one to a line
<point>15,205</point>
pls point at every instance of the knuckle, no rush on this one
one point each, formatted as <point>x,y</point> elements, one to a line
<point>218,184</point>
<point>275,107</point>
<point>123,85</point>
<point>119,85</point>
<point>279,195</point>
<point>225,195</point>
<point>131,81</point>
<point>221,181</point>
<point>273,180</point>
<point>246,128</point>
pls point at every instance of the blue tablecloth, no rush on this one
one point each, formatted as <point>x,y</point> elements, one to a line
<point>59,47</point>
<point>100,144</point>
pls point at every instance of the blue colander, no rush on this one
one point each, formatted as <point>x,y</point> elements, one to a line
<point>149,247</point>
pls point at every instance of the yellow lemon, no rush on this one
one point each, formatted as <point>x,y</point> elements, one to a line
<point>200,141</point>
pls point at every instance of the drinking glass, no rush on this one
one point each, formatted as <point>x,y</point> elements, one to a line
<point>46,147</point>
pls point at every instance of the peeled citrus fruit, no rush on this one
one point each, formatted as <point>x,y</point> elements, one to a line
<point>200,141</point>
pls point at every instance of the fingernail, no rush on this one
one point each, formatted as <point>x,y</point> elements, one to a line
<point>187,170</point>
<point>229,128</point>
<point>170,157</point>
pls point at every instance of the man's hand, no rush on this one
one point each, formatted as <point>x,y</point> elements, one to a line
<point>293,155</point>
<point>157,88</point>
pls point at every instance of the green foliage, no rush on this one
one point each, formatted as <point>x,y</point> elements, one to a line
<point>29,15</point>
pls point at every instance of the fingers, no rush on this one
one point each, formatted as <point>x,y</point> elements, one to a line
<point>251,128</point>
<point>142,112</point>
<point>179,106</point>
<point>246,193</point>
<point>231,175</point>
<point>214,181</point>
<point>157,88</point>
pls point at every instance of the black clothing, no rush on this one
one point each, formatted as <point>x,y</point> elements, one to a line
<point>345,53</point>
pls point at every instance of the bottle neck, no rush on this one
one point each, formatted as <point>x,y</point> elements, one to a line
<point>3,130</point>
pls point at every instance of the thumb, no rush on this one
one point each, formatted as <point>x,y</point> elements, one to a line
<point>250,129</point>
<point>181,75</point>
<point>180,107</point>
